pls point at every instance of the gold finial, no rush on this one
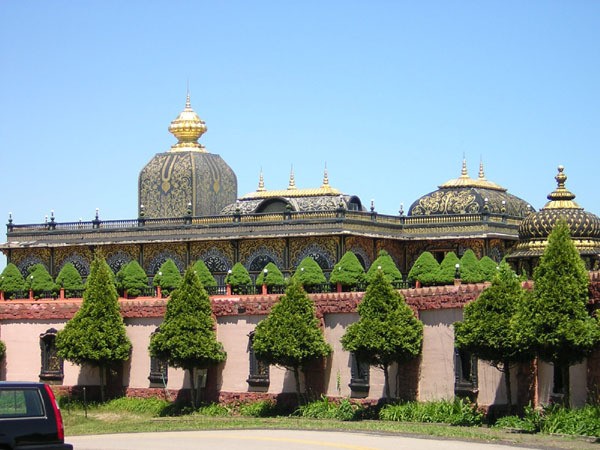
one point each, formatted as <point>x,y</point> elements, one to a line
<point>261,182</point>
<point>325,178</point>
<point>187,128</point>
<point>292,185</point>
<point>481,172</point>
<point>561,197</point>
<point>463,172</point>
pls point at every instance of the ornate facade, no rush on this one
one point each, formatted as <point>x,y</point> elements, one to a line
<point>189,209</point>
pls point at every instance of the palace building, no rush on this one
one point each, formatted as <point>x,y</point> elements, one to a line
<point>189,209</point>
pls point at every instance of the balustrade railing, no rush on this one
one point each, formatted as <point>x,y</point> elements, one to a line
<point>295,216</point>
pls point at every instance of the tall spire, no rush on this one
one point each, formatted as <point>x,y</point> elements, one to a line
<point>261,182</point>
<point>325,178</point>
<point>292,184</point>
<point>463,171</point>
<point>187,128</point>
<point>481,172</point>
<point>561,197</point>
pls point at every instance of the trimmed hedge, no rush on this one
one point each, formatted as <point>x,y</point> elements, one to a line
<point>12,280</point>
<point>69,278</point>
<point>168,277</point>
<point>204,274</point>
<point>39,280</point>
<point>424,270</point>
<point>274,276</point>
<point>447,269</point>
<point>239,278</point>
<point>387,264</point>
<point>309,273</point>
<point>349,272</point>
<point>470,270</point>
<point>132,278</point>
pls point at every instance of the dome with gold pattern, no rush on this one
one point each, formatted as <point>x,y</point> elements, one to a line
<point>264,201</point>
<point>465,195</point>
<point>584,226</point>
<point>186,180</point>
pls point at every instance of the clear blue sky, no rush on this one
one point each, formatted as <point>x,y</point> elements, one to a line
<point>388,94</point>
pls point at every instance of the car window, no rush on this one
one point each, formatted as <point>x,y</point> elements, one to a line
<point>20,402</point>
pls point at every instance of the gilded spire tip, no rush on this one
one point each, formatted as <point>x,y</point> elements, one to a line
<point>463,171</point>
<point>292,184</point>
<point>325,178</point>
<point>481,172</point>
<point>261,182</point>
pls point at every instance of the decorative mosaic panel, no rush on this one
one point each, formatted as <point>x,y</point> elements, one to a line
<point>256,254</point>
<point>81,261</point>
<point>156,255</point>
<point>27,258</point>
<point>215,259</point>
<point>362,248</point>
<point>222,249</point>
<point>476,245</point>
<point>396,251</point>
<point>171,180</point>
<point>322,249</point>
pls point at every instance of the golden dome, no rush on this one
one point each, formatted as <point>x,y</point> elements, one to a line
<point>466,195</point>
<point>582,224</point>
<point>187,128</point>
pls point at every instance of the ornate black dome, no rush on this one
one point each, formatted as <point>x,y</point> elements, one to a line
<point>465,195</point>
<point>324,198</point>
<point>582,224</point>
<point>186,180</point>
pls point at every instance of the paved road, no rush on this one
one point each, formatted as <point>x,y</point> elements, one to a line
<point>269,440</point>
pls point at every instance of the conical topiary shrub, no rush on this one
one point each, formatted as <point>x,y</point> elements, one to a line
<point>424,270</point>
<point>12,281</point>
<point>70,280</point>
<point>273,277</point>
<point>349,272</point>
<point>132,279</point>
<point>206,278</point>
<point>388,266</point>
<point>489,268</point>
<point>447,271</point>
<point>310,275</point>
<point>239,279</point>
<point>168,277</point>
<point>40,281</point>
<point>470,272</point>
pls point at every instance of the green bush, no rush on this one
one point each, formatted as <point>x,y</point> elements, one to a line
<point>12,280</point>
<point>309,273</point>
<point>457,412</point>
<point>470,270</point>
<point>329,409</point>
<point>489,268</point>
<point>39,280</point>
<point>2,350</point>
<point>274,276</point>
<point>132,278</point>
<point>261,408</point>
<point>168,277</point>
<point>349,272</point>
<point>424,270</point>
<point>153,406</point>
<point>213,410</point>
<point>387,264</point>
<point>69,279</point>
<point>238,278</point>
<point>556,419</point>
<point>204,274</point>
<point>447,270</point>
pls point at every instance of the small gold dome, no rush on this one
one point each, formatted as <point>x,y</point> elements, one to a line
<point>187,128</point>
<point>539,225</point>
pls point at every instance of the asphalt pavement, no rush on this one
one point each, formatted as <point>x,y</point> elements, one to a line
<point>270,440</point>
